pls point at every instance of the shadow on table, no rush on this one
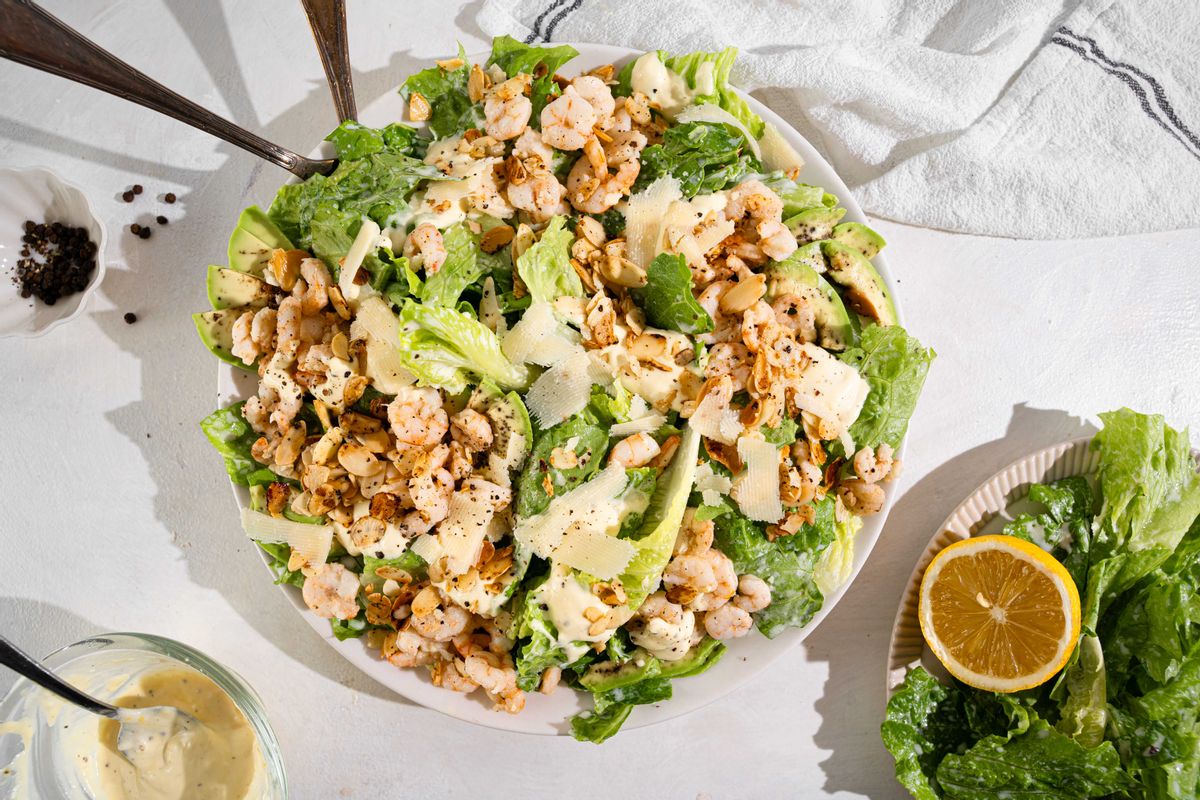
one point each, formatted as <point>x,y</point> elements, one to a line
<point>851,707</point>
<point>40,628</point>
<point>162,284</point>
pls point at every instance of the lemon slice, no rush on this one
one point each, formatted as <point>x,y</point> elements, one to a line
<point>1000,613</point>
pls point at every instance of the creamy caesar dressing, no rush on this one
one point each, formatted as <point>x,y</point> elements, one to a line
<point>667,89</point>
<point>663,640</point>
<point>566,599</point>
<point>208,752</point>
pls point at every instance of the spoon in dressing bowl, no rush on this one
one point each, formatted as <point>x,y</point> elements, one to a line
<point>327,18</point>
<point>31,36</point>
<point>144,732</point>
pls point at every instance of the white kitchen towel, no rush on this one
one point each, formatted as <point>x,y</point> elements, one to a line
<point>1033,119</point>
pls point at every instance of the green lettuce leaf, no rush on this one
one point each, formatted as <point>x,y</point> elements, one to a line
<point>229,433</point>
<point>280,554</point>
<point>590,446</point>
<point>1065,527</point>
<point>612,708</point>
<point>688,66</point>
<point>354,140</point>
<point>894,364</point>
<point>787,565</point>
<point>667,297</point>
<point>446,90</point>
<point>796,196</point>
<point>924,722</point>
<point>537,644</point>
<point>705,157</point>
<point>444,347</point>
<point>462,267</point>
<point>515,57</point>
<point>1041,763</point>
<point>546,266</point>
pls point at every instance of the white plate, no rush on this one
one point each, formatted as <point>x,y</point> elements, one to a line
<point>549,715</point>
<point>40,195</point>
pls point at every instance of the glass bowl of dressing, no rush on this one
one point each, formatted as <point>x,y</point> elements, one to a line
<point>51,750</point>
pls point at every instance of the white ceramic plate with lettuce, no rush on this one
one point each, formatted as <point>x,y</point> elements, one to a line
<point>549,715</point>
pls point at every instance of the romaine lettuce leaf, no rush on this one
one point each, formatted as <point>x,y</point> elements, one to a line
<point>354,140</point>
<point>515,57</point>
<point>1041,763</point>
<point>444,347</point>
<point>1065,527</point>
<point>667,297</point>
<point>894,364</point>
<point>787,565</point>
<point>705,157</point>
<point>589,440</point>
<point>228,432</point>
<point>688,66</point>
<point>546,266</point>
<point>924,722</point>
<point>462,267</point>
<point>797,197</point>
<point>446,90</point>
<point>280,554</point>
<point>612,708</point>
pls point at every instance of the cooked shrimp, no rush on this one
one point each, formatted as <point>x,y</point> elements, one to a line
<point>451,675</point>
<point>754,594</point>
<point>540,195</point>
<point>634,451</point>
<point>472,429</point>
<point>257,410</point>
<point>316,296</point>
<point>754,199</point>
<point>529,145</point>
<point>598,94</point>
<point>657,606</point>
<point>507,109</point>
<point>287,328</point>
<point>417,417</point>
<point>410,649</point>
<point>435,618</point>
<point>727,622</point>
<point>550,679</point>
<point>759,328</point>
<point>873,465</point>
<point>695,536</point>
<point>331,591</point>
<point>775,239</point>
<point>567,121</point>
<point>495,674</point>
<point>244,346</point>
<point>687,577</point>
<point>861,498</point>
<point>595,155</point>
<point>595,195</point>
<point>725,583</point>
<point>427,241</point>
<point>729,358</point>
<point>624,146</point>
<point>795,314</point>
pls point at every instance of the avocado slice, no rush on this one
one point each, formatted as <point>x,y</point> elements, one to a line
<point>216,331</point>
<point>800,275</point>
<point>228,288</point>
<point>512,432</point>
<point>860,237</point>
<point>698,659</point>
<point>814,224</point>
<point>253,240</point>
<point>865,290</point>
<point>608,675</point>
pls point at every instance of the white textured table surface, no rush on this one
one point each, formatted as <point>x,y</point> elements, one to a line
<point>118,516</point>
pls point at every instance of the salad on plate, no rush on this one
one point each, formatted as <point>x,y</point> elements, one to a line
<point>1120,718</point>
<point>571,382</point>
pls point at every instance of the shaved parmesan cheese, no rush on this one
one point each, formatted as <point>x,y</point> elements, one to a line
<point>717,421</point>
<point>711,112</point>
<point>777,154</point>
<point>644,214</point>
<point>462,533</point>
<point>312,542</point>
<point>830,389</point>
<point>638,407</point>
<point>378,326</point>
<point>694,227</point>
<point>590,504</point>
<point>711,485</point>
<point>591,550</point>
<point>646,424</point>
<point>539,338</point>
<point>427,547</point>
<point>562,391</point>
<point>756,490</point>
<point>368,240</point>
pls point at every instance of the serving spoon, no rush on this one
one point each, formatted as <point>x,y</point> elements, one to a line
<point>327,18</point>
<point>140,728</point>
<point>31,36</point>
